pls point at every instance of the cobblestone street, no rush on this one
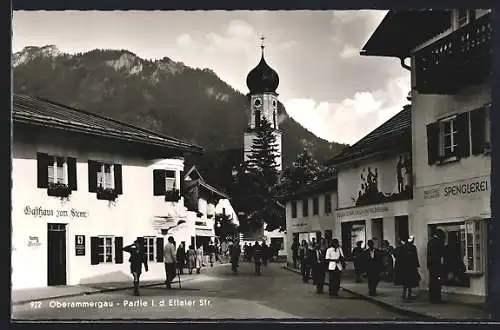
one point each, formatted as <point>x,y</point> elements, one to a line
<point>215,294</point>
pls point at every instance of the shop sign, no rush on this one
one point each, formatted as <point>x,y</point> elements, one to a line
<point>466,189</point>
<point>80,245</point>
<point>33,241</point>
<point>369,212</point>
<point>41,212</point>
<point>301,226</point>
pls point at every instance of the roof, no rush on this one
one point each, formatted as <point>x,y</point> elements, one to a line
<point>193,170</point>
<point>402,30</point>
<point>319,186</point>
<point>41,112</point>
<point>206,186</point>
<point>392,136</point>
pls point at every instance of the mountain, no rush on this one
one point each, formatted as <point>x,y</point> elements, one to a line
<point>161,95</point>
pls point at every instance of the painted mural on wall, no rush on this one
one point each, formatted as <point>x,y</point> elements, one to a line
<point>370,192</point>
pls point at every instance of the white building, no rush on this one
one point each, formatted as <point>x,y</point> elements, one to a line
<point>310,213</point>
<point>450,53</point>
<point>84,186</point>
<point>374,185</point>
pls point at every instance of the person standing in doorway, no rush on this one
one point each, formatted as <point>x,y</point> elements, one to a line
<point>335,259</point>
<point>137,258</point>
<point>169,258</point>
<point>373,267</point>
<point>357,256</point>
<point>435,255</point>
<point>318,268</point>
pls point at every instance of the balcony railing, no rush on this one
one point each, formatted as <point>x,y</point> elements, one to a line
<point>459,59</point>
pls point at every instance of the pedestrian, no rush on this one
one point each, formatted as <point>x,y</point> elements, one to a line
<point>169,257</point>
<point>373,264</point>
<point>181,257</point>
<point>257,258</point>
<point>191,259</point>
<point>435,255</point>
<point>303,253</point>
<point>295,252</point>
<point>398,277</point>
<point>235,253</point>
<point>211,253</point>
<point>318,268</point>
<point>265,253</point>
<point>336,263</point>
<point>245,252</point>
<point>411,276</point>
<point>137,258</point>
<point>199,258</point>
<point>357,257</point>
<point>387,261</point>
<point>224,251</point>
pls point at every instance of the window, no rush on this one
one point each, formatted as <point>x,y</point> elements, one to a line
<point>53,170</point>
<point>170,180</point>
<point>328,203</point>
<point>257,118</point>
<point>305,207</point>
<point>473,256</point>
<point>315,206</point>
<point>57,170</point>
<point>448,137</point>
<point>294,209</point>
<point>105,249</point>
<point>105,176</point>
<point>164,181</point>
<point>149,247</point>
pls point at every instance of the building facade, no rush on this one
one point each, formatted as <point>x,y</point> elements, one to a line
<point>310,213</point>
<point>83,187</point>
<point>451,103</point>
<point>375,185</point>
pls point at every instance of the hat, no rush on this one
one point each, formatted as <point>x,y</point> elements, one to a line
<point>411,239</point>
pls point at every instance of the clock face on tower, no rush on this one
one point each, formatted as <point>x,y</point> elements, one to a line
<point>257,103</point>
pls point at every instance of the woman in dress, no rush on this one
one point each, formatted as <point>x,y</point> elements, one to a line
<point>199,258</point>
<point>191,256</point>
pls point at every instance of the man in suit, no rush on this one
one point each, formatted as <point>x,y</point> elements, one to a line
<point>137,258</point>
<point>373,264</point>
<point>318,268</point>
<point>435,255</point>
<point>169,259</point>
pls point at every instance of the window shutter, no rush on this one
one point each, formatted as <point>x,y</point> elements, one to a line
<point>42,163</point>
<point>72,173</point>
<point>94,246</point>
<point>478,128</point>
<point>432,143</point>
<point>159,182</point>
<point>118,179</point>
<point>159,249</point>
<point>463,135</point>
<point>93,167</point>
<point>118,250</point>
<point>182,182</point>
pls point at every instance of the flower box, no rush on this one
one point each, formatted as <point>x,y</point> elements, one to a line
<point>58,190</point>
<point>107,194</point>
<point>172,195</point>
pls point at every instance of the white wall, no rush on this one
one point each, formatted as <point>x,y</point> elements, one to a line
<point>130,216</point>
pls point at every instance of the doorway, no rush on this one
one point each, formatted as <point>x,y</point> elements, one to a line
<point>378,232</point>
<point>56,254</point>
<point>352,232</point>
<point>402,228</point>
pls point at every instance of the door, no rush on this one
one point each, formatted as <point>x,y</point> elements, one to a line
<point>56,254</point>
<point>378,232</point>
<point>402,228</point>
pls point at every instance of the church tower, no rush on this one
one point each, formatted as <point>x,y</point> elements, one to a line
<point>262,82</point>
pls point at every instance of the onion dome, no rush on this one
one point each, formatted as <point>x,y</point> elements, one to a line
<point>262,78</point>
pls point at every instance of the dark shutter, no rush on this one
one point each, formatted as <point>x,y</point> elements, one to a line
<point>72,173</point>
<point>42,163</point>
<point>432,143</point>
<point>118,250</point>
<point>159,249</point>
<point>118,179</point>
<point>159,182</point>
<point>94,247</point>
<point>463,135</point>
<point>478,129</point>
<point>93,168</point>
<point>182,181</point>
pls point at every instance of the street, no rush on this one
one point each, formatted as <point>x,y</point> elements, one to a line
<point>214,294</point>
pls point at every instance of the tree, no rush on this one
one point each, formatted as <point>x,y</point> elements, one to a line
<point>257,184</point>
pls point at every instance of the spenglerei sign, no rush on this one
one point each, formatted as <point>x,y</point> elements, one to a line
<point>467,189</point>
<point>41,212</point>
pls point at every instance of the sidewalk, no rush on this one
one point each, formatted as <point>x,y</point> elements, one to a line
<point>461,307</point>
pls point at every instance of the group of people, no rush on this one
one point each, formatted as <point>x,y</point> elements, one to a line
<point>399,265</point>
<point>266,252</point>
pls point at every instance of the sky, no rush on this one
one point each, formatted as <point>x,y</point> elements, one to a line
<point>325,84</point>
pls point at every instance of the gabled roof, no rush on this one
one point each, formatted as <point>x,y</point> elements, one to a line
<point>40,112</point>
<point>206,187</point>
<point>393,136</point>
<point>316,187</point>
<point>402,30</point>
<point>193,171</point>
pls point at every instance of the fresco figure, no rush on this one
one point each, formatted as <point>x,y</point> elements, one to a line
<point>400,172</point>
